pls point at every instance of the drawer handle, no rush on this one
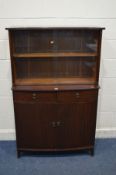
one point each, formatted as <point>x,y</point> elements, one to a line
<point>34,96</point>
<point>59,123</point>
<point>77,94</point>
<point>56,124</point>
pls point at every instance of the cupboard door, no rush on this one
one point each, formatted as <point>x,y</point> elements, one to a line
<point>46,114</point>
<point>88,114</point>
<point>35,127</point>
<point>78,121</point>
<point>59,123</point>
<point>71,126</point>
<point>26,126</point>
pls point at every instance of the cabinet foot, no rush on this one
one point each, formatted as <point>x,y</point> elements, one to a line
<point>91,151</point>
<point>18,154</point>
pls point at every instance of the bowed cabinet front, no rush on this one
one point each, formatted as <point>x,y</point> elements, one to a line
<point>55,122</point>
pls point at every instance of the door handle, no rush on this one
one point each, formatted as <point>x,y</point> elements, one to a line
<point>56,124</point>
<point>53,124</point>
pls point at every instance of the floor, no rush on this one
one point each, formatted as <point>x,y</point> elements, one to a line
<point>102,163</point>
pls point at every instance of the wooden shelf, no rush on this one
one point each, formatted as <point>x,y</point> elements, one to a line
<point>53,81</point>
<point>44,55</point>
<point>62,87</point>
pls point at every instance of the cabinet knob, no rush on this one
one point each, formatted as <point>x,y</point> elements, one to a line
<point>56,89</point>
<point>52,42</point>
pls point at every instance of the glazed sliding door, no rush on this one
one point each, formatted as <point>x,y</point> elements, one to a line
<point>66,70</point>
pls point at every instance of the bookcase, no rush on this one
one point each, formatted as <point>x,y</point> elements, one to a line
<point>55,74</point>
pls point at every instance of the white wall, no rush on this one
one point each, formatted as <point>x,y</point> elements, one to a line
<point>61,13</point>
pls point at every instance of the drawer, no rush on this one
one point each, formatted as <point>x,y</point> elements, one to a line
<point>73,96</point>
<point>35,96</point>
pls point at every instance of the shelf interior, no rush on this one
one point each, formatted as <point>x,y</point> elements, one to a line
<point>54,54</point>
<point>48,81</point>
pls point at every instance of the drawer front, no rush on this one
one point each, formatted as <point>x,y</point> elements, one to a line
<point>34,96</point>
<point>77,96</point>
<point>63,96</point>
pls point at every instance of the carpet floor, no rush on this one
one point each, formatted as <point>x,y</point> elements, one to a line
<point>102,163</point>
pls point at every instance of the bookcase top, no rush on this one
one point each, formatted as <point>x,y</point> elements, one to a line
<point>55,28</point>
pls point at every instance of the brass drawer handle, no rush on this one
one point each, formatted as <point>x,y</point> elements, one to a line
<point>34,96</point>
<point>77,94</point>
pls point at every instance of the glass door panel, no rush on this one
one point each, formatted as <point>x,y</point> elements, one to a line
<point>71,70</point>
<point>32,42</point>
<point>75,41</point>
<point>58,41</point>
